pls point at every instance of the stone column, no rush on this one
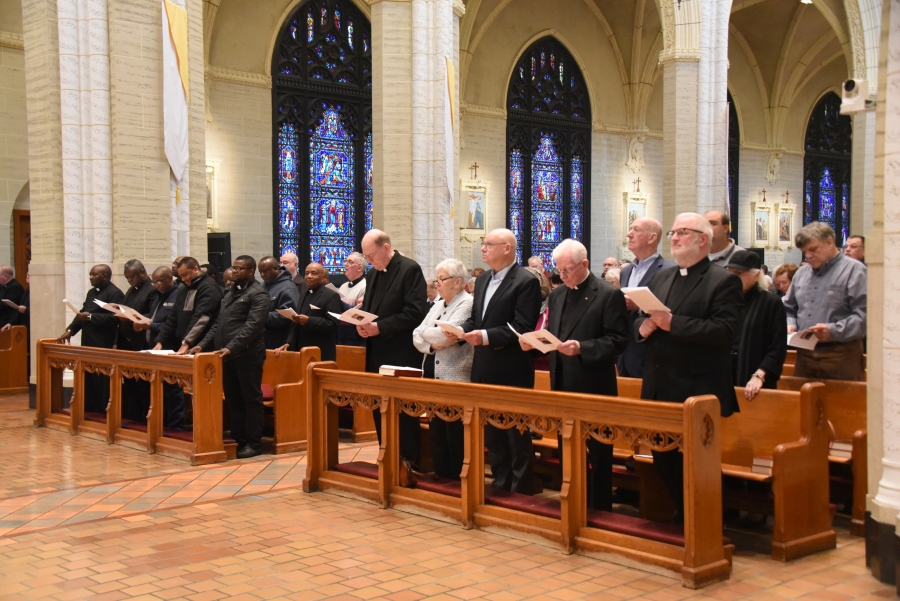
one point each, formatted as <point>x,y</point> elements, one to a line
<point>883,259</point>
<point>862,173</point>
<point>392,109</point>
<point>679,136</point>
<point>712,108</point>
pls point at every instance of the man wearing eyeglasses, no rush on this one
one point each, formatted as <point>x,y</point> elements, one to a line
<point>238,336</point>
<point>506,294</point>
<point>395,292</point>
<point>689,349</point>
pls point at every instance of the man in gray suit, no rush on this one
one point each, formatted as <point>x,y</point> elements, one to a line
<point>644,236</point>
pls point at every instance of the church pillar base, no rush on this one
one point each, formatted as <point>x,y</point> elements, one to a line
<point>882,550</point>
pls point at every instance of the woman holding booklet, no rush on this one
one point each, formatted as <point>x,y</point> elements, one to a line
<point>452,360</point>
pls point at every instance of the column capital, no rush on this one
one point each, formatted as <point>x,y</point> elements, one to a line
<point>678,56</point>
<point>459,9</point>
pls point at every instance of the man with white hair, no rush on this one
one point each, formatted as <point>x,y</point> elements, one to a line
<point>354,288</point>
<point>290,262</point>
<point>689,349</point>
<point>590,316</point>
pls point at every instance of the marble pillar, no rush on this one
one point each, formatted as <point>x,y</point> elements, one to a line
<point>680,78</point>
<point>712,108</point>
<point>862,173</point>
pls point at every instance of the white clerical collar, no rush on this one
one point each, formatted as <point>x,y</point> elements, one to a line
<point>683,270</point>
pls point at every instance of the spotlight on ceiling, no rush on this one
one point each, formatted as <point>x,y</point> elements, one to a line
<point>805,1</point>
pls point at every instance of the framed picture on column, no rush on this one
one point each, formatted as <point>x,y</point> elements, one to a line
<point>761,227</point>
<point>474,208</point>
<point>784,237</point>
<point>212,209</point>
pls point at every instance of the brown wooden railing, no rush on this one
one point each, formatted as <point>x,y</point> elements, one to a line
<point>201,374</point>
<point>698,552</point>
<point>14,360</point>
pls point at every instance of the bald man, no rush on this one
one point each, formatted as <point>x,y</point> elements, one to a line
<point>314,326</point>
<point>395,292</point>
<point>99,328</point>
<point>509,294</point>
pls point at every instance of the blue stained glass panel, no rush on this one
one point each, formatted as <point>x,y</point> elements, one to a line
<point>576,201</point>
<point>826,198</point>
<point>331,184</point>
<point>337,16</point>
<point>369,181</point>
<point>288,189</point>
<point>517,199</point>
<point>350,32</point>
<point>845,212</point>
<point>546,199</point>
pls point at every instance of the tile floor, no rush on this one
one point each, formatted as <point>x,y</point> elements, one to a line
<point>83,520</point>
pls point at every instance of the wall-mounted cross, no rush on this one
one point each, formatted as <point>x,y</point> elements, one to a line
<point>764,194</point>
<point>786,194</point>
<point>638,182</point>
<point>473,168</point>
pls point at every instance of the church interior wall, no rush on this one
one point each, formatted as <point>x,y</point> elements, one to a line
<point>13,138</point>
<point>239,147</point>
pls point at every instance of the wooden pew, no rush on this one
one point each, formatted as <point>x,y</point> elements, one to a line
<point>283,392</point>
<point>845,409</point>
<point>14,359</point>
<point>201,373</point>
<point>353,358</point>
<point>696,551</point>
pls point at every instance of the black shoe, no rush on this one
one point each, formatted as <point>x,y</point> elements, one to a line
<point>247,451</point>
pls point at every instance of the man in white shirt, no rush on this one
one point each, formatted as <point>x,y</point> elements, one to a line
<point>354,288</point>
<point>721,247</point>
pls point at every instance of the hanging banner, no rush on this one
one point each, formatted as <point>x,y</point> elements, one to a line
<point>176,90</point>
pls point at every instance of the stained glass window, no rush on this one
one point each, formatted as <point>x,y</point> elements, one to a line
<point>827,161</point>
<point>548,148</point>
<point>322,104</point>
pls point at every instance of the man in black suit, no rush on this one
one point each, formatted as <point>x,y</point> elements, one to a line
<point>505,294</point>
<point>284,295</point>
<point>644,237</point>
<point>99,328</point>
<point>140,296</point>
<point>10,289</point>
<point>163,305</point>
<point>395,292</point>
<point>689,349</point>
<point>589,315</point>
<point>314,326</point>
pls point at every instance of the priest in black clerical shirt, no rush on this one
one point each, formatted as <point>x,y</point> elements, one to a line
<point>163,304</point>
<point>689,349</point>
<point>99,328</point>
<point>140,296</point>
<point>314,326</point>
<point>589,315</point>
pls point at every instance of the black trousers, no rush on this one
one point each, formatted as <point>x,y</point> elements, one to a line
<point>242,382</point>
<point>135,399</point>
<point>410,436</point>
<point>511,455</point>
<point>600,486</point>
<point>447,440</point>
<point>173,406</point>
<point>670,467</point>
<point>96,393</point>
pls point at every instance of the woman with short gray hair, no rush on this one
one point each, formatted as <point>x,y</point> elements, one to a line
<point>445,360</point>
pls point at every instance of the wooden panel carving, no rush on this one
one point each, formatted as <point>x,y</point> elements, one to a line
<point>70,364</point>
<point>209,372</point>
<point>98,368</point>
<point>343,399</point>
<point>183,380</point>
<point>655,439</point>
<point>416,408</point>
<point>136,373</point>
<point>708,431</point>
<point>537,423</point>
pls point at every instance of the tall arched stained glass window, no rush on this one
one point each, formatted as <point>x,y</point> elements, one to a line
<point>826,167</point>
<point>548,151</point>
<point>734,166</point>
<point>322,105</point>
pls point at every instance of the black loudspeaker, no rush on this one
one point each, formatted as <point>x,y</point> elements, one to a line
<point>218,248</point>
<point>761,252</point>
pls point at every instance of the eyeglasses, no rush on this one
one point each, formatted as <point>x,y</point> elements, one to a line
<point>160,282</point>
<point>369,256</point>
<point>442,280</point>
<point>492,244</point>
<point>568,272</point>
<point>682,232</point>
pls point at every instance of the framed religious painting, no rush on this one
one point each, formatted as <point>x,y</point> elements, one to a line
<point>635,208</point>
<point>212,212</point>
<point>474,208</point>
<point>784,215</point>
<point>761,227</point>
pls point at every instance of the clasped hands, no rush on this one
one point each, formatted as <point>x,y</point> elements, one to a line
<point>369,330</point>
<point>656,320</point>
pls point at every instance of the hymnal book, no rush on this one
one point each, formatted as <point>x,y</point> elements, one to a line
<point>542,340</point>
<point>6,301</point>
<point>840,453</point>
<point>356,317</point>
<point>803,339</point>
<point>71,307</point>
<point>645,299</point>
<point>841,448</point>
<point>160,352</point>
<point>448,327</point>
<point>123,312</point>
<point>396,371</point>
<point>289,312</point>
<point>762,465</point>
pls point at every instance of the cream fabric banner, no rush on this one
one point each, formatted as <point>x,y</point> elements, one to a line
<point>450,146</point>
<point>175,87</point>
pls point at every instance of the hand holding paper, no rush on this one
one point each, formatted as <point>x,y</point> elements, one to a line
<point>542,340</point>
<point>356,317</point>
<point>645,299</point>
<point>446,326</point>
<point>804,339</point>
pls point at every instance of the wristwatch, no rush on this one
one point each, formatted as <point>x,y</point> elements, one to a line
<point>760,374</point>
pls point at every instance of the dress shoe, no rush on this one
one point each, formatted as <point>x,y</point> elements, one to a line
<point>247,451</point>
<point>407,476</point>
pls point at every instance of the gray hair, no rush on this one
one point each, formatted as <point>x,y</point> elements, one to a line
<point>700,223</point>
<point>357,258</point>
<point>454,268</point>
<point>818,230</point>
<point>613,273</point>
<point>578,250</point>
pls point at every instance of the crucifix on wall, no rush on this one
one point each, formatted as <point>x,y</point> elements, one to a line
<point>473,169</point>
<point>637,185</point>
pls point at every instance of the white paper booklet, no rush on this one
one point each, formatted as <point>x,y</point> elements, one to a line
<point>289,312</point>
<point>542,340</point>
<point>356,317</point>
<point>6,301</point>
<point>645,299</point>
<point>446,326</point>
<point>803,339</point>
<point>331,286</point>
<point>71,307</point>
<point>161,352</point>
<point>122,312</point>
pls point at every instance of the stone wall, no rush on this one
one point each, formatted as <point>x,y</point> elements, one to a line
<point>13,140</point>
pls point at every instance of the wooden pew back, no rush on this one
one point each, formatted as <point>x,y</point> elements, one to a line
<point>845,403</point>
<point>353,358</point>
<point>285,374</point>
<point>770,419</point>
<point>14,359</point>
